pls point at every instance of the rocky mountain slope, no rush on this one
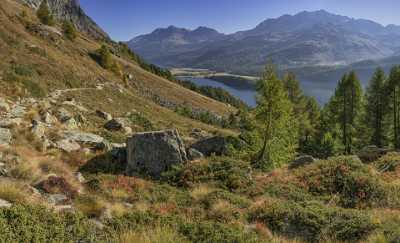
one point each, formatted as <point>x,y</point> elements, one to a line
<point>71,10</point>
<point>291,41</point>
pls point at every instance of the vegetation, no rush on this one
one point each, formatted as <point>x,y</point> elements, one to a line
<point>69,30</point>
<point>44,14</point>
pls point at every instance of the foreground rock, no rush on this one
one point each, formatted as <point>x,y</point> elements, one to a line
<point>214,145</point>
<point>116,124</point>
<point>5,136</point>
<point>83,138</point>
<point>302,161</point>
<point>372,153</point>
<point>154,152</point>
<point>5,204</point>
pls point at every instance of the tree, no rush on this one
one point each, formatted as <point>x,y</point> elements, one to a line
<point>344,109</point>
<point>44,14</point>
<point>276,122</point>
<point>305,109</point>
<point>376,108</point>
<point>393,91</point>
<point>69,30</point>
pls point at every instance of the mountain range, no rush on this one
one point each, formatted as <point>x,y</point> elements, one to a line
<point>317,38</point>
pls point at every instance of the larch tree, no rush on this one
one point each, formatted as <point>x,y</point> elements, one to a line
<point>276,122</point>
<point>44,14</point>
<point>376,107</point>
<point>393,91</point>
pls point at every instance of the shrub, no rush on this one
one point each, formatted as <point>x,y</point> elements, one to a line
<point>348,178</point>
<point>314,221</point>
<point>228,173</point>
<point>91,206</point>
<point>156,234</point>
<point>69,30</point>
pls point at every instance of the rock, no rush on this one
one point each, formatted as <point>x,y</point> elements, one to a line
<point>57,199</point>
<point>154,152</point>
<point>5,204</point>
<point>79,177</point>
<point>194,154</point>
<point>38,129</point>
<point>106,116</point>
<point>71,124</point>
<point>86,139</point>
<point>64,209</point>
<point>214,145</point>
<point>5,136</point>
<point>48,118</point>
<point>32,191</point>
<point>118,152</point>
<point>4,107</point>
<point>63,115</point>
<point>68,146</point>
<point>116,124</point>
<point>10,122</point>
<point>57,185</point>
<point>128,130</point>
<point>372,153</point>
<point>302,161</point>
<point>17,111</point>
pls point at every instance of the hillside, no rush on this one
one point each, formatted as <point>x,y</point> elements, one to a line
<point>306,39</point>
<point>98,146</point>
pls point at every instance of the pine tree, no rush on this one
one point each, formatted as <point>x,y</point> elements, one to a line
<point>393,91</point>
<point>44,14</point>
<point>69,30</point>
<point>376,108</point>
<point>276,124</point>
<point>344,111</point>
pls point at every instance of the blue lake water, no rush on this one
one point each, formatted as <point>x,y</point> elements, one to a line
<point>245,94</point>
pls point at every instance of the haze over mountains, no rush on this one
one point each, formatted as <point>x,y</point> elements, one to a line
<point>307,39</point>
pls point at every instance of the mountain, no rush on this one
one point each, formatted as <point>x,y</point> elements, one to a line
<point>71,10</point>
<point>291,41</point>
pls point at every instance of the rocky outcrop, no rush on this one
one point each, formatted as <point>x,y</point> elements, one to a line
<point>372,153</point>
<point>154,152</point>
<point>88,139</point>
<point>5,136</point>
<point>214,145</point>
<point>71,10</point>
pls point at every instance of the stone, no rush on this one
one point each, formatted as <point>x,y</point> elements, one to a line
<point>10,122</point>
<point>67,145</point>
<point>64,209</point>
<point>38,129</point>
<point>71,124</point>
<point>116,124</point>
<point>302,161</point>
<point>63,115</point>
<point>194,154</point>
<point>79,177</point>
<point>4,106</point>
<point>17,111</point>
<point>5,136</point>
<point>214,145</point>
<point>106,116</point>
<point>118,152</point>
<point>48,118</point>
<point>372,153</point>
<point>154,152</point>
<point>57,199</point>
<point>57,185</point>
<point>127,130</point>
<point>5,204</point>
<point>86,139</point>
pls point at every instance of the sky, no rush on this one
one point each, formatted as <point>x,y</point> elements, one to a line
<point>125,19</point>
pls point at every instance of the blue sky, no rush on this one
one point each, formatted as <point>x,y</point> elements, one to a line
<point>125,19</point>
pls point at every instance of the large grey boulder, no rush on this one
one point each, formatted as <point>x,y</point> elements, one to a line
<point>213,145</point>
<point>372,153</point>
<point>5,136</point>
<point>302,161</point>
<point>154,152</point>
<point>86,139</point>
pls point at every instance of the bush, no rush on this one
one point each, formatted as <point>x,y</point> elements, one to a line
<point>348,178</point>
<point>234,175</point>
<point>314,221</point>
<point>69,30</point>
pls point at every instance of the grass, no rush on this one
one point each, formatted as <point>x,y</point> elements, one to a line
<point>157,234</point>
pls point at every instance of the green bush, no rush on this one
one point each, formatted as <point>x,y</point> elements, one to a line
<point>349,179</point>
<point>69,30</point>
<point>314,221</point>
<point>231,174</point>
<point>35,224</point>
<point>44,14</point>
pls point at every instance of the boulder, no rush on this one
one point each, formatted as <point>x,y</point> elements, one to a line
<point>154,152</point>
<point>214,145</point>
<point>118,152</point>
<point>17,111</point>
<point>57,199</point>
<point>372,153</point>
<point>5,136</point>
<point>116,124</point>
<point>38,129</point>
<point>68,146</point>
<point>85,139</point>
<point>57,185</point>
<point>63,115</point>
<point>106,116</point>
<point>4,107</point>
<point>5,204</point>
<point>10,122</point>
<point>194,154</point>
<point>302,161</point>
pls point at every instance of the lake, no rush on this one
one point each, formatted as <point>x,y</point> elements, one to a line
<point>246,94</point>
